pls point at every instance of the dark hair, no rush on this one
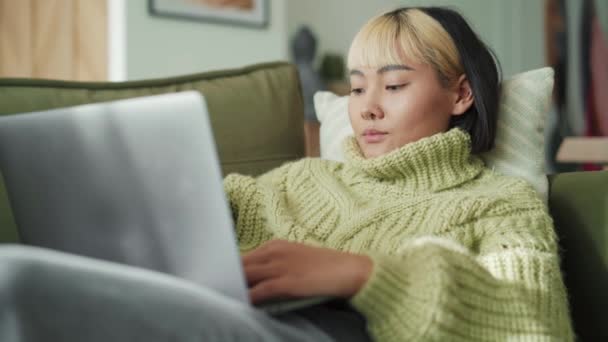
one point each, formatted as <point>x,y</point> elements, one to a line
<point>482,70</point>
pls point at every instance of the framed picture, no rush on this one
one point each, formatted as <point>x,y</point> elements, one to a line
<point>253,13</point>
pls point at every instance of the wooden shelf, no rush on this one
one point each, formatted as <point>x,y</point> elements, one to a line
<point>584,150</point>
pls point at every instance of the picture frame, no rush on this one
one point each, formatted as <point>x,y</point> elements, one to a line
<point>250,13</point>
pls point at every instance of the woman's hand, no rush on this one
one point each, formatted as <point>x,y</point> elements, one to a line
<point>282,269</point>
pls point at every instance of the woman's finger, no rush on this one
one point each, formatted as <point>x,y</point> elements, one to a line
<point>274,288</point>
<point>265,252</point>
<point>257,256</point>
<point>256,273</point>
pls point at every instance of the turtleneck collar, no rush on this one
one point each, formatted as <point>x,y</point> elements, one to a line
<point>433,163</point>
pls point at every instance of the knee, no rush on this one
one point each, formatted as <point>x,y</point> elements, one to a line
<point>15,265</point>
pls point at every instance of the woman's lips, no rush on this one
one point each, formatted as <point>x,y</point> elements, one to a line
<point>373,136</point>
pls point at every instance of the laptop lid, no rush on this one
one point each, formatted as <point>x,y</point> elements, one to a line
<point>134,181</point>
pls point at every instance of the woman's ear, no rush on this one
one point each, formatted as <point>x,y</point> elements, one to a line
<point>464,96</point>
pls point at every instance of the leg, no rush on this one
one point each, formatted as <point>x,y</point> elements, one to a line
<point>51,296</point>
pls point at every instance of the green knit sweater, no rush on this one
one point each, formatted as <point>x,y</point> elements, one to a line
<point>460,253</point>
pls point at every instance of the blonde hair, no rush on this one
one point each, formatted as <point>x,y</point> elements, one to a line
<point>406,33</point>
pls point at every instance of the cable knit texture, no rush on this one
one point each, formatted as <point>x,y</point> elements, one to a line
<point>460,253</point>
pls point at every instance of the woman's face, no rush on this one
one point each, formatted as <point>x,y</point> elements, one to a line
<point>398,104</point>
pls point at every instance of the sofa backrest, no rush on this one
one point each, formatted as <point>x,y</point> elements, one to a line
<point>256,113</point>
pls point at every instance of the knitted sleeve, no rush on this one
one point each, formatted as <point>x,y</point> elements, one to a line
<point>246,196</point>
<point>508,288</point>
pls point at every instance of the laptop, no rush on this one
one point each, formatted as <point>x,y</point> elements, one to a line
<point>134,181</point>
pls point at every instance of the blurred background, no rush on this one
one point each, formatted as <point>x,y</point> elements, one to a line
<point>118,40</point>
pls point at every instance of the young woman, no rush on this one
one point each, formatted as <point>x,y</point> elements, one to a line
<point>421,239</point>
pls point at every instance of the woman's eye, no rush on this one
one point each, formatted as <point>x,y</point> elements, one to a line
<point>395,87</point>
<point>356,91</point>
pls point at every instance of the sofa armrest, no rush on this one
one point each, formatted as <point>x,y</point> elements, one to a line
<point>579,205</point>
<point>580,200</point>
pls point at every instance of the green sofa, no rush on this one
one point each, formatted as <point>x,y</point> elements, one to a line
<point>257,117</point>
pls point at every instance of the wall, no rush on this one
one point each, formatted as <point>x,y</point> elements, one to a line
<point>160,47</point>
<point>514,28</point>
<point>157,47</point>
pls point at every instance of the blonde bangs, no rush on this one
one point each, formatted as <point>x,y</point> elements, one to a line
<point>382,42</point>
<point>410,34</point>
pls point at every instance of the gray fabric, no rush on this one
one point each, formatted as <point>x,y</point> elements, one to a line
<point>338,320</point>
<point>52,296</point>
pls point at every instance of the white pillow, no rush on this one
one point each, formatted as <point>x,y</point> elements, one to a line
<point>519,145</point>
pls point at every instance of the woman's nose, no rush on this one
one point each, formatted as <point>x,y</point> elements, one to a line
<point>372,112</point>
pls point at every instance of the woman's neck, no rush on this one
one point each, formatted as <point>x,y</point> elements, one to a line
<point>432,164</point>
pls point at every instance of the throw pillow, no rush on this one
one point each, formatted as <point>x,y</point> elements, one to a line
<point>519,146</point>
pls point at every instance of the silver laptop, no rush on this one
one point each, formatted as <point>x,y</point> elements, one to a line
<point>134,181</point>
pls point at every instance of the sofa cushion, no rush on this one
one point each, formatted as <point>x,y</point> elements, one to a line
<point>256,113</point>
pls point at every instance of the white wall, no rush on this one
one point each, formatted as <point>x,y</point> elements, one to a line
<point>513,28</point>
<point>117,35</point>
<point>155,46</point>
<point>160,47</point>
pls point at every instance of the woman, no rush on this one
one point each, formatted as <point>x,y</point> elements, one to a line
<point>412,232</point>
<point>423,240</point>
